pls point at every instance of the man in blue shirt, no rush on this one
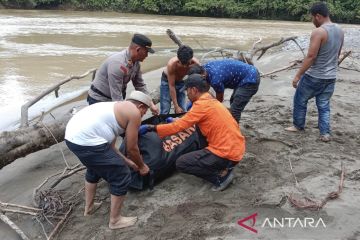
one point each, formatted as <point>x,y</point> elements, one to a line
<point>233,74</point>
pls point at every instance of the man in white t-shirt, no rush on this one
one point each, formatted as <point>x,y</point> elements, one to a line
<point>91,136</point>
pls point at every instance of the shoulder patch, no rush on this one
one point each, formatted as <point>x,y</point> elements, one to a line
<point>123,69</point>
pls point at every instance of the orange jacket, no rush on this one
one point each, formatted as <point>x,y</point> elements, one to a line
<point>216,124</point>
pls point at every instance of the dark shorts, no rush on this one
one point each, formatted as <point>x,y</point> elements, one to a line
<point>102,161</point>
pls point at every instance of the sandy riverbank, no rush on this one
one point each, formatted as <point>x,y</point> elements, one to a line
<point>183,207</point>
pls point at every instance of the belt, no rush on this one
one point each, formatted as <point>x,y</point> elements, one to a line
<point>92,87</point>
<point>164,77</point>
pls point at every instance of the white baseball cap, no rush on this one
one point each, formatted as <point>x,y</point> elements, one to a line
<point>141,97</point>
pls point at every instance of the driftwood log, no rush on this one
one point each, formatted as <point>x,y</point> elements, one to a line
<point>21,142</point>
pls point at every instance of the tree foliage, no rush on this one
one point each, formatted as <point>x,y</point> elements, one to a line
<point>347,11</point>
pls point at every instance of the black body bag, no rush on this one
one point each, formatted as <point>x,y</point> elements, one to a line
<point>160,154</point>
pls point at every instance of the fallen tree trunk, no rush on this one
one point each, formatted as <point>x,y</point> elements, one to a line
<point>21,142</point>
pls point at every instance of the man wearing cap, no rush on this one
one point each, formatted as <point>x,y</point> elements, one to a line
<point>243,78</point>
<point>92,140</point>
<point>118,70</point>
<point>226,145</point>
<point>172,84</point>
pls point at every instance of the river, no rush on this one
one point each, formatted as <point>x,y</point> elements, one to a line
<point>41,48</point>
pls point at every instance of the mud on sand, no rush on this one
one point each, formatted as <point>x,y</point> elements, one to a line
<point>184,207</point>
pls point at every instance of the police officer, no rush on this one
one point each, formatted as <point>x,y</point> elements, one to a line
<point>118,70</point>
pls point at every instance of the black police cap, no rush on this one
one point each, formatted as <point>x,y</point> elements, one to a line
<point>143,41</point>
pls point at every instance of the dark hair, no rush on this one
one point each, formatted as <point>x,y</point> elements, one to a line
<point>319,8</point>
<point>196,68</point>
<point>184,54</point>
<point>197,81</point>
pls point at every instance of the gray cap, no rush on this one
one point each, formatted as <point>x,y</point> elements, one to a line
<point>141,97</point>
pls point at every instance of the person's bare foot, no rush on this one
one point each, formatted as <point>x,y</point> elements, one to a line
<point>292,129</point>
<point>92,209</point>
<point>325,138</point>
<point>123,222</point>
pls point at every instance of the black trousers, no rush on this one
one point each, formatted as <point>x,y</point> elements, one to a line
<point>204,164</point>
<point>240,98</point>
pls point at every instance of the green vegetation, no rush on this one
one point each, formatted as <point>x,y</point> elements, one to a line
<point>346,11</point>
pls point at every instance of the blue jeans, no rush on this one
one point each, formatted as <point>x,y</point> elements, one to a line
<point>91,100</point>
<point>322,90</point>
<point>165,99</point>
<point>241,96</point>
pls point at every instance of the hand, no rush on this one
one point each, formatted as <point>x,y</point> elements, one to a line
<point>295,81</point>
<point>169,120</point>
<point>143,129</point>
<point>178,109</point>
<point>144,170</point>
<point>154,109</point>
<point>189,106</point>
<point>131,164</point>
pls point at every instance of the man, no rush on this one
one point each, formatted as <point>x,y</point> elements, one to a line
<point>91,136</point>
<point>316,78</point>
<point>172,84</point>
<point>243,78</point>
<point>118,70</point>
<point>226,145</point>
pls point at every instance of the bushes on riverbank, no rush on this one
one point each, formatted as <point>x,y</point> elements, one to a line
<point>347,11</point>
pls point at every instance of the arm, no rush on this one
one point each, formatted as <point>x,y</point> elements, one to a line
<point>316,39</point>
<point>342,43</point>
<point>195,61</point>
<point>171,80</point>
<point>218,85</point>
<point>132,148</point>
<point>116,81</point>
<point>127,160</point>
<point>140,85</point>
<point>220,96</point>
<point>138,81</point>
<point>188,120</point>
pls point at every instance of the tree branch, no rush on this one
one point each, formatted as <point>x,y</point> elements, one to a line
<point>296,62</point>
<point>60,223</point>
<point>343,56</point>
<point>12,225</point>
<point>173,37</point>
<point>263,49</point>
<point>313,205</point>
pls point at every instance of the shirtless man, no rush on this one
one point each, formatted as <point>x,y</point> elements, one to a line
<point>91,136</point>
<point>172,86</point>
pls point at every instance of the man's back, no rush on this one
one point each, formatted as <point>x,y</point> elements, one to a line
<point>325,65</point>
<point>230,73</point>
<point>216,124</point>
<point>116,71</point>
<point>93,125</point>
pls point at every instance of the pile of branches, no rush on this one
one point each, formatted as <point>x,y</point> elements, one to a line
<point>52,210</point>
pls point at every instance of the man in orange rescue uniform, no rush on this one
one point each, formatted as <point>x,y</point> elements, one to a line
<point>226,144</point>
